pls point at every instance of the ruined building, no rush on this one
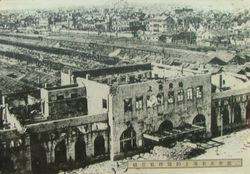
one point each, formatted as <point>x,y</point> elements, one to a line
<point>112,113</point>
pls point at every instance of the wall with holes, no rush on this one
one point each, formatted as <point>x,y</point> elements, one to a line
<point>78,145</point>
<point>147,104</point>
<point>14,152</point>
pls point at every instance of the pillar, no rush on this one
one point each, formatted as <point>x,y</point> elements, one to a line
<point>89,145</point>
<point>71,150</point>
<point>106,138</point>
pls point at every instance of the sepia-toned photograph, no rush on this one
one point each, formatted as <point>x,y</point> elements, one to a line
<point>124,86</point>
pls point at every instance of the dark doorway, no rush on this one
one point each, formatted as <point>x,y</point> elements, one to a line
<point>225,116</point>
<point>237,114</point>
<point>248,111</point>
<point>60,152</point>
<point>39,159</point>
<point>128,140</point>
<point>199,120</point>
<point>99,146</point>
<point>165,126</point>
<point>38,155</point>
<point>214,127</point>
<point>80,151</point>
<point>6,164</point>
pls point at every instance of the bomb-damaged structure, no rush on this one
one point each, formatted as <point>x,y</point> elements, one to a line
<point>112,113</point>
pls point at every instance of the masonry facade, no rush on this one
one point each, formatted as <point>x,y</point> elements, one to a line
<point>146,107</point>
<point>113,113</point>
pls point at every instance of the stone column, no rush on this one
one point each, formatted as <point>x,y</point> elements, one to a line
<point>106,138</point>
<point>71,150</point>
<point>243,106</point>
<point>230,113</point>
<point>89,145</point>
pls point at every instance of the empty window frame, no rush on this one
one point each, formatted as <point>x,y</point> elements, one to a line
<point>138,103</point>
<point>131,79</point>
<point>151,101</point>
<point>180,84</point>
<point>60,97</point>
<point>199,91</point>
<point>160,87</point>
<point>180,96</point>
<point>189,94</point>
<point>74,95</point>
<point>160,98</point>
<point>127,105</point>
<point>123,79</point>
<point>171,86</point>
<point>171,97</point>
<point>104,104</point>
<point>53,97</point>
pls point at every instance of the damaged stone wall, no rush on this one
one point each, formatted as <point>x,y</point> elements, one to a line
<point>230,112</point>
<point>15,156</point>
<point>148,119</point>
<point>64,145</point>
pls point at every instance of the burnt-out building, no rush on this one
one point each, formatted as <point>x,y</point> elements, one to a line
<point>60,136</point>
<point>145,109</point>
<point>64,101</point>
<point>112,113</point>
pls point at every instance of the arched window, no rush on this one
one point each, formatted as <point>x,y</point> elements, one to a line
<point>80,150</point>
<point>160,98</point>
<point>199,120</point>
<point>128,140</point>
<point>171,86</point>
<point>99,146</point>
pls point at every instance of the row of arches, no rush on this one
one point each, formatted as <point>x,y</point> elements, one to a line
<point>128,137</point>
<point>6,163</point>
<point>227,119</point>
<point>236,112</point>
<point>198,120</point>
<point>39,160</point>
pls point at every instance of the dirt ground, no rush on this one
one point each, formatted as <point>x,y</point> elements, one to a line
<point>234,145</point>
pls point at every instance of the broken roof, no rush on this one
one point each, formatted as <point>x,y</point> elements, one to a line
<point>113,70</point>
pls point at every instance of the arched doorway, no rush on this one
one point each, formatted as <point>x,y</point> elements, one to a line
<point>38,154</point>
<point>99,146</point>
<point>199,120</point>
<point>225,116</point>
<point>128,140</point>
<point>39,159</point>
<point>248,111</point>
<point>60,152</point>
<point>237,114</point>
<point>80,151</point>
<point>165,126</point>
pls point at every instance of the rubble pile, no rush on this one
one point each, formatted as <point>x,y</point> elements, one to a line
<point>180,151</point>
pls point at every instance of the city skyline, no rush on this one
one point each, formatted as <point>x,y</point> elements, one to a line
<point>230,5</point>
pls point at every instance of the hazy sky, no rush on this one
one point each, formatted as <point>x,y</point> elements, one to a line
<point>28,4</point>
